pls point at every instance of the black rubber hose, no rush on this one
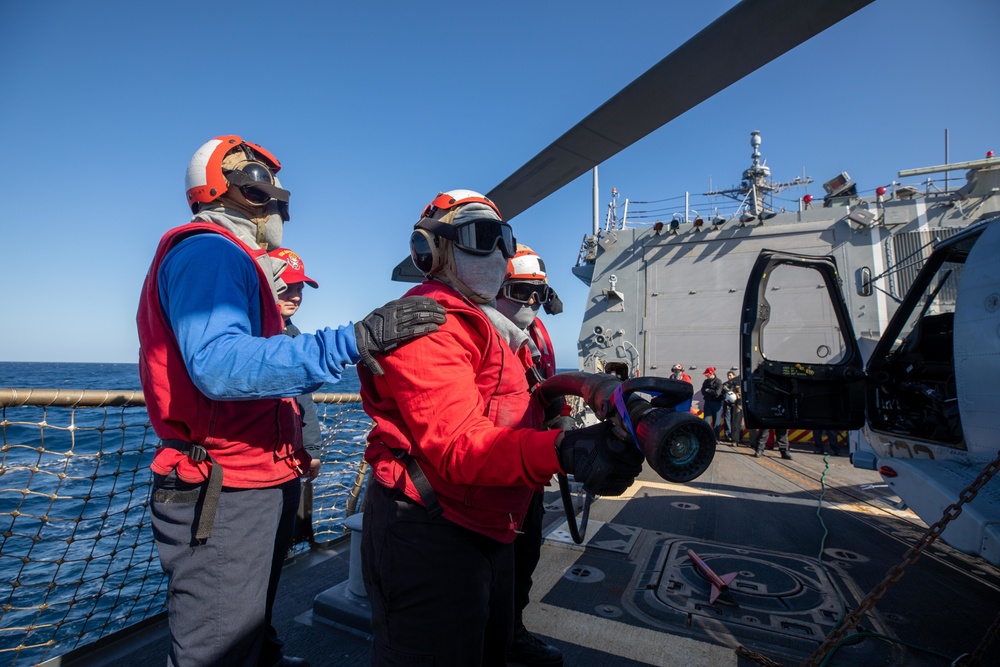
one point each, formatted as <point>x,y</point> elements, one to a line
<point>577,533</point>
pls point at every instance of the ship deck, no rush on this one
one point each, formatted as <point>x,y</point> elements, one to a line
<point>630,595</point>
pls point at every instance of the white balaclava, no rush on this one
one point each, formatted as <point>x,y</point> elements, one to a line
<point>521,314</point>
<point>478,277</point>
<point>481,274</point>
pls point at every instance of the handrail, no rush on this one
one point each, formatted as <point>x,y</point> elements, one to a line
<point>109,398</point>
<point>72,398</point>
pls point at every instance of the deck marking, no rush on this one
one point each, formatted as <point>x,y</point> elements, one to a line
<point>650,647</point>
<point>761,497</point>
<point>768,496</point>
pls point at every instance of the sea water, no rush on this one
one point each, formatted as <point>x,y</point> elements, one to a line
<point>67,375</point>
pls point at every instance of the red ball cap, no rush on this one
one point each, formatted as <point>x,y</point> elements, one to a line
<point>295,268</point>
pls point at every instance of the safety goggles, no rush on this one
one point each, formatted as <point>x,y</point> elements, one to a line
<point>248,177</point>
<point>256,183</point>
<point>520,292</point>
<point>476,237</point>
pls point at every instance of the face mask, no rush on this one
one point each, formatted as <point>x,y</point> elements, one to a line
<point>521,314</point>
<point>482,274</point>
<point>274,227</point>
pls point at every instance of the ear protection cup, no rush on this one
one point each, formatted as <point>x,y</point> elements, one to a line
<point>425,251</point>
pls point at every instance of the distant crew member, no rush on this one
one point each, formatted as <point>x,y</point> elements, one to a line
<point>289,302</point>
<point>456,454</point>
<point>732,413</point>
<point>677,373</point>
<point>711,391</point>
<point>219,381</point>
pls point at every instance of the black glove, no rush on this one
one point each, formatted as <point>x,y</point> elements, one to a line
<point>561,422</point>
<point>554,305</point>
<point>604,463</point>
<point>394,324</point>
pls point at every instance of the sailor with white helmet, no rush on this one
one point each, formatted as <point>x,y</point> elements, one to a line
<point>456,453</point>
<point>219,381</point>
<point>524,292</point>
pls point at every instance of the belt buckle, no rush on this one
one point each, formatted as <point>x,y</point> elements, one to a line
<point>197,453</point>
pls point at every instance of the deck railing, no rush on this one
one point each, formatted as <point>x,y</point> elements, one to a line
<point>77,557</point>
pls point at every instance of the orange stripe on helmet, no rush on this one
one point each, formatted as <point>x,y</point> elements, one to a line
<point>445,201</point>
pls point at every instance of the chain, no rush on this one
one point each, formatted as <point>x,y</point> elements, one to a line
<point>896,572</point>
<point>753,656</point>
<point>977,656</point>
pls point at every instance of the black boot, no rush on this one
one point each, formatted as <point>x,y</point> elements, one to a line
<point>529,650</point>
<point>758,452</point>
<point>785,455</point>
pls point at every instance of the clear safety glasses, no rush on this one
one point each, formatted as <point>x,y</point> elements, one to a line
<point>521,292</point>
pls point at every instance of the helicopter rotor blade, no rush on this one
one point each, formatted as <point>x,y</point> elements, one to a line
<point>744,39</point>
<point>747,37</point>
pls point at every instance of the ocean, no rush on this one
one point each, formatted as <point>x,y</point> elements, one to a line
<point>64,375</point>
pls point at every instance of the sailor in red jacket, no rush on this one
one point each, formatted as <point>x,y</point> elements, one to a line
<point>456,453</point>
<point>524,292</point>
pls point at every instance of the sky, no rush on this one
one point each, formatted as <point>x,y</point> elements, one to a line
<point>374,108</point>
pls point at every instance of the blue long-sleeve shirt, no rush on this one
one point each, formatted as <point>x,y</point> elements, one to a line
<point>209,290</point>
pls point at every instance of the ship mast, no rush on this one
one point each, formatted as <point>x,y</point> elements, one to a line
<point>756,186</point>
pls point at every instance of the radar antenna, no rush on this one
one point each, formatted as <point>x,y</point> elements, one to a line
<point>756,187</point>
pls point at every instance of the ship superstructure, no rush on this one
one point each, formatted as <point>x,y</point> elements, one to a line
<point>665,292</point>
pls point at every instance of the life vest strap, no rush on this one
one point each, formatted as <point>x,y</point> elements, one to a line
<point>213,492</point>
<point>420,481</point>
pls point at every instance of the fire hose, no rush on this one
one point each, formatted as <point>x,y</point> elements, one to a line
<point>676,444</point>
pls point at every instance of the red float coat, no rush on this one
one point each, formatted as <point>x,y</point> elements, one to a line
<point>258,442</point>
<point>540,337</point>
<point>457,401</point>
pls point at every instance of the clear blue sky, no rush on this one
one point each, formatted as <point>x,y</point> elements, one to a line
<point>375,107</point>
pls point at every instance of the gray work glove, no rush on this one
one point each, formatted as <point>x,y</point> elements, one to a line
<point>603,462</point>
<point>394,324</point>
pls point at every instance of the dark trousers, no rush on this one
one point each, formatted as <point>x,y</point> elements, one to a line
<point>780,439</point>
<point>527,551</point>
<point>713,415</point>
<point>831,437</point>
<point>733,418</point>
<point>440,594</point>
<point>220,593</point>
